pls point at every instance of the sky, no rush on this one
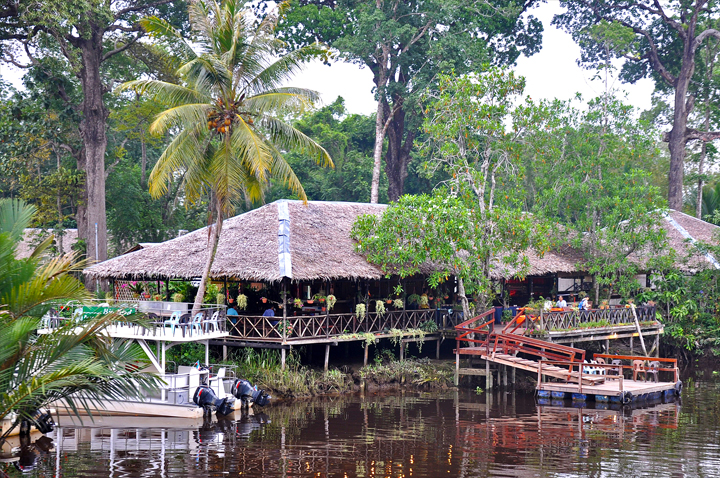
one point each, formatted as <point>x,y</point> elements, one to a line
<point>551,73</point>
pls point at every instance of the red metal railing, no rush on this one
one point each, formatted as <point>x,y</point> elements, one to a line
<point>479,333</point>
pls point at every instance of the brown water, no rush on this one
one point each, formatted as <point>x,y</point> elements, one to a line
<point>410,434</point>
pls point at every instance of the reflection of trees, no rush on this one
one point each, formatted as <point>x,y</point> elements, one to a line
<point>383,435</point>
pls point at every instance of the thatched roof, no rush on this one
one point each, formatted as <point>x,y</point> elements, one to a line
<point>282,239</point>
<point>683,231</point>
<point>312,241</point>
<point>562,259</point>
<point>32,237</point>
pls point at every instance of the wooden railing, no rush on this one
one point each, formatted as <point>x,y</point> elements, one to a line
<point>549,321</point>
<point>480,332</point>
<point>324,326</point>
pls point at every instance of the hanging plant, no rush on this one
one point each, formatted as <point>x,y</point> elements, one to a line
<point>380,308</point>
<point>360,311</point>
<point>413,299</point>
<point>423,301</point>
<point>331,299</point>
<point>398,303</point>
<point>177,297</point>
<point>242,301</point>
<point>298,303</point>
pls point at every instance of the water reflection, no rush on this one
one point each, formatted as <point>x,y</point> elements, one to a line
<point>409,434</point>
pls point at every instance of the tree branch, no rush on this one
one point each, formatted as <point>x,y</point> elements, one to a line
<point>710,32</point>
<point>137,8</point>
<point>693,134</point>
<point>124,47</point>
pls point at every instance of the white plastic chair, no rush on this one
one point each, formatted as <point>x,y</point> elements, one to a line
<point>197,324</point>
<point>216,383</point>
<point>172,322</point>
<point>213,321</point>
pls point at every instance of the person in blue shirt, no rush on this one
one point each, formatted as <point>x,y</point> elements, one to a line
<point>270,312</point>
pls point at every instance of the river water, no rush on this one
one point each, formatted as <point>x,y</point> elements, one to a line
<point>406,435</point>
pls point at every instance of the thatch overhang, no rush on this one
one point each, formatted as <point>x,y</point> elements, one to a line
<point>683,231</point>
<point>282,239</point>
<point>32,237</point>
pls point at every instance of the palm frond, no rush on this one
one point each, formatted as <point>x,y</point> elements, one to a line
<point>163,29</point>
<point>287,137</point>
<point>164,92</point>
<point>284,68</point>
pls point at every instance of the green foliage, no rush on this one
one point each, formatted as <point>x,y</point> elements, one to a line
<point>74,363</point>
<point>420,372</point>
<point>187,353</point>
<point>263,368</point>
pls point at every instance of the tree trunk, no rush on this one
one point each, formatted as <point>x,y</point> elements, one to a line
<point>463,299</point>
<point>677,136</point>
<point>213,244</point>
<point>143,160</point>
<point>377,152</point>
<point>92,130</point>
<point>397,156</point>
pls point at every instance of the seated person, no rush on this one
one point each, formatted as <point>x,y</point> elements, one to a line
<point>231,311</point>
<point>585,304</point>
<point>270,312</point>
<point>560,302</point>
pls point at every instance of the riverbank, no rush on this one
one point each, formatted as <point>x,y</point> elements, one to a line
<point>263,369</point>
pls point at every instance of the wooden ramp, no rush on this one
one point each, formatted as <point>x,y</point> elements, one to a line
<point>562,373</point>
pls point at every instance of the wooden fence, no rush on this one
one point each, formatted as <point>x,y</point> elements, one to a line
<point>327,326</point>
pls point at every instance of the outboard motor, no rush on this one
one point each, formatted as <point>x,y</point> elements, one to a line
<point>42,420</point>
<point>247,392</point>
<point>205,397</point>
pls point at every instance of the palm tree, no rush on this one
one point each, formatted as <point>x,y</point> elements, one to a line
<point>75,364</point>
<point>228,111</point>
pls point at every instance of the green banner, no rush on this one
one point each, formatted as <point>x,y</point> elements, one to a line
<point>90,312</point>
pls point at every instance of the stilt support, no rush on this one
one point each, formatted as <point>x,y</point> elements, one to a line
<point>327,356</point>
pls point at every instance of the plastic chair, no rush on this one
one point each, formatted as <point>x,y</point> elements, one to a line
<point>216,383</point>
<point>197,323</point>
<point>173,321</point>
<point>617,370</point>
<point>213,322</point>
<point>601,370</point>
<point>654,370</point>
<point>639,368</point>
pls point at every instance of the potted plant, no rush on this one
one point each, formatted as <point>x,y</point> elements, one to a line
<point>379,308</point>
<point>264,300</point>
<point>360,311</point>
<point>157,298</point>
<point>398,303</point>
<point>298,303</point>
<point>242,301</point>
<point>331,300</point>
<point>413,299</point>
<point>177,297</point>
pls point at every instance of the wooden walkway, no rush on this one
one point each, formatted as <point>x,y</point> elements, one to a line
<point>561,369</point>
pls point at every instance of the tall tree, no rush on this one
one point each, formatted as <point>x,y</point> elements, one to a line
<point>228,112</point>
<point>87,34</point>
<point>658,39</point>
<point>405,44</point>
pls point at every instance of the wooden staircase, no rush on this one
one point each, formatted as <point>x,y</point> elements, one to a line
<point>477,337</point>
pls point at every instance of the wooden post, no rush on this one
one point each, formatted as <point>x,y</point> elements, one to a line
<point>402,350</point>
<point>437,349</point>
<point>327,356</point>
<point>512,376</point>
<point>365,357</point>
<point>505,376</point>
<point>224,352</point>
<point>607,346</point>
<point>207,352</point>
<point>657,345</point>
<point>457,366</point>
<point>282,357</point>
<point>284,322</point>
<point>488,376</point>
<point>631,345</point>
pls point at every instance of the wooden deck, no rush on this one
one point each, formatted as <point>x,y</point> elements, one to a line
<point>561,369</point>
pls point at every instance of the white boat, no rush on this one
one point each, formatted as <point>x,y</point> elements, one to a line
<point>175,397</point>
